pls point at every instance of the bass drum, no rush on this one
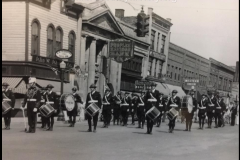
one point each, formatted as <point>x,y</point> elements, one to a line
<point>187,105</point>
<point>67,102</point>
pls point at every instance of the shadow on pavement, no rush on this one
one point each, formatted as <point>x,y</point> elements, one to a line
<point>139,132</point>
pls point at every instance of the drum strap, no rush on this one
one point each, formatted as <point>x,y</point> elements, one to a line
<point>141,100</point>
<point>6,96</point>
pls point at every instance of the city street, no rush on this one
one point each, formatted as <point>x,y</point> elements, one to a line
<point>119,143</point>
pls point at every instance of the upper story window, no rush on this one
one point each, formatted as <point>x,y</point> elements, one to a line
<point>150,65</point>
<point>59,38</point>
<point>35,38</point>
<point>152,39</point>
<point>158,45</point>
<point>71,44</point>
<point>50,41</point>
<point>163,43</point>
<point>160,67</point>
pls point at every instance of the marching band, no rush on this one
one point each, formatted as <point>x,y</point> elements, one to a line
<point>150,106</point>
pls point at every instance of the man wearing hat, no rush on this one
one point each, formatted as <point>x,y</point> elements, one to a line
<point>218,109</point>
<point>50,98</point>
<point>203,105</point>
<point>141,110</point>
<point>221,122</point>
<point>107,103</point>
<point>134,107</point>
<point>117,110</point>
<point>32,102</point>
<point>73,114</point>
<point>161,106</point>
<point>151,100</point>
<point>211,107</point>
<point>175,102</point>
<point>96,97</point>
<point>8,95</point>
<point>234,112</point>
<point>189,114</point>
<point>125,106</point>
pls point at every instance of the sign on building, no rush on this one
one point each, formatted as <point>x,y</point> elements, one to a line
<point>143,85</point>
<point>121,51</point>
<point>191,82</point>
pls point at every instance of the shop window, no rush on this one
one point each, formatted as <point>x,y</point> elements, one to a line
<point>71,44</point>
<point>50,41</point>
<point>35,38</point>
<point>163,43</point>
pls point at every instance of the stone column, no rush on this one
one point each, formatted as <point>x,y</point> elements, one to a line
<point>102,78</point>
<point>82,81</point>
<point>159,43</point>
<point>153,67</point>
<point>155,41</point>
<point>166,47</point>
<point>91,63</point>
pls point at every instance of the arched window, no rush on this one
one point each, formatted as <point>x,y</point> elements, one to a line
<point>35,38</point>
<point>59,38</point>
<point>71,44</point>
<point>50,41</point>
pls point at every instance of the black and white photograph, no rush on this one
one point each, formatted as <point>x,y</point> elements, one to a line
<point>120,79</point>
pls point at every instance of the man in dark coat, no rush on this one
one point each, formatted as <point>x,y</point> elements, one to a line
<point>211,108</point>
<point>73,114</point>
<point>125,106</point>
<point>8,96</point>
<point>221,122</point>
<point>141,110</point>
<point>151,100</point>
<point>161,107</point>
<point>203,105</point>
<point>32,102</point>
<point>175,102</point>
<point>218,110</point>
<point>234,113</point>
<point>50,98</point>
<point>93,97</point>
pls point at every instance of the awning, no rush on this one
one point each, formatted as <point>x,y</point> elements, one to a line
<point>162,87</point>
<point>180,93</point>
<point>16,84</point>
<point>67,87</point>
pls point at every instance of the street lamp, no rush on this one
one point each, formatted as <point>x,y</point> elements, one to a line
<point>62,67</point>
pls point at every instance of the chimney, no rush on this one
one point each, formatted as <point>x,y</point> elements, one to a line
<point>168,19</point>
<point>119,13</point>
<point>150,10</point>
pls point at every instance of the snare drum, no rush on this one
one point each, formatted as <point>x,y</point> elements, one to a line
<point>46,110</point>
<point>172,113</point>
<point>92,109</point>
<point>6,107</point>
<point>153,113</point>
<point>67,101</point>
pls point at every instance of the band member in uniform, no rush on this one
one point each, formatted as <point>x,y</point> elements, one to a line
<point>217,112</point>
<point>210,108</point>
<point>125,106</point>
<point>117,110</point>
<point>107,103</point>
<point>73,114</point>
<point>151,95</point>
<point>161,106</point>
<point>93,95</point>
<point>141,110</point>
<point>32,99</point>
<point>189,116</point>
<point>223,111</point>
<point>8,95</point>
<point>234,112</point>
<point>42,102</point>
<point>133,108</point>
<point>173,100</point>
<point>203,105</point>
<point>50,98</point>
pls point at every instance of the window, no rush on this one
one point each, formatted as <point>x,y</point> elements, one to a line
<point>50,41</point>
<point>35,38</point>
<point>160,67</point>
<point>163,43</point>
<point>152,39</point>
<point>179,74</point>
<point>176,69</point>
<point>155,70</point>
<point>172,74</point>
<point>71,45</point>
<point>158,45</point>
<point>59,38</point>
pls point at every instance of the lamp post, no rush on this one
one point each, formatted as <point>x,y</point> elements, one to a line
<point>62,67</point>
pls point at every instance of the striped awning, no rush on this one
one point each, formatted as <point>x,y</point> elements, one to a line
<point>16,84</point>
<point>180,93</point>
<point>162,87</point>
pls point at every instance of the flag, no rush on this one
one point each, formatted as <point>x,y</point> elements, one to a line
<point>54,70</point>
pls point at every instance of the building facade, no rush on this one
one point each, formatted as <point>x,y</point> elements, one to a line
<point>235,85</point>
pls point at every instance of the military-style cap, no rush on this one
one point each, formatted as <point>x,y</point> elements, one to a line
<point>5,84</point>
<point>74,88</point>
<point>50,86</point>
<point>174,91</point>
<point>154,84</point>
<point>93,86</point>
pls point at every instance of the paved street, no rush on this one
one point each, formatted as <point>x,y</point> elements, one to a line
<point>120,143</point>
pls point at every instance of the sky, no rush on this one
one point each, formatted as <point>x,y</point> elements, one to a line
<point>209,28</point>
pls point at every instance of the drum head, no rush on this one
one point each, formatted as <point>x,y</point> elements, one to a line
<point>69,102</point>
